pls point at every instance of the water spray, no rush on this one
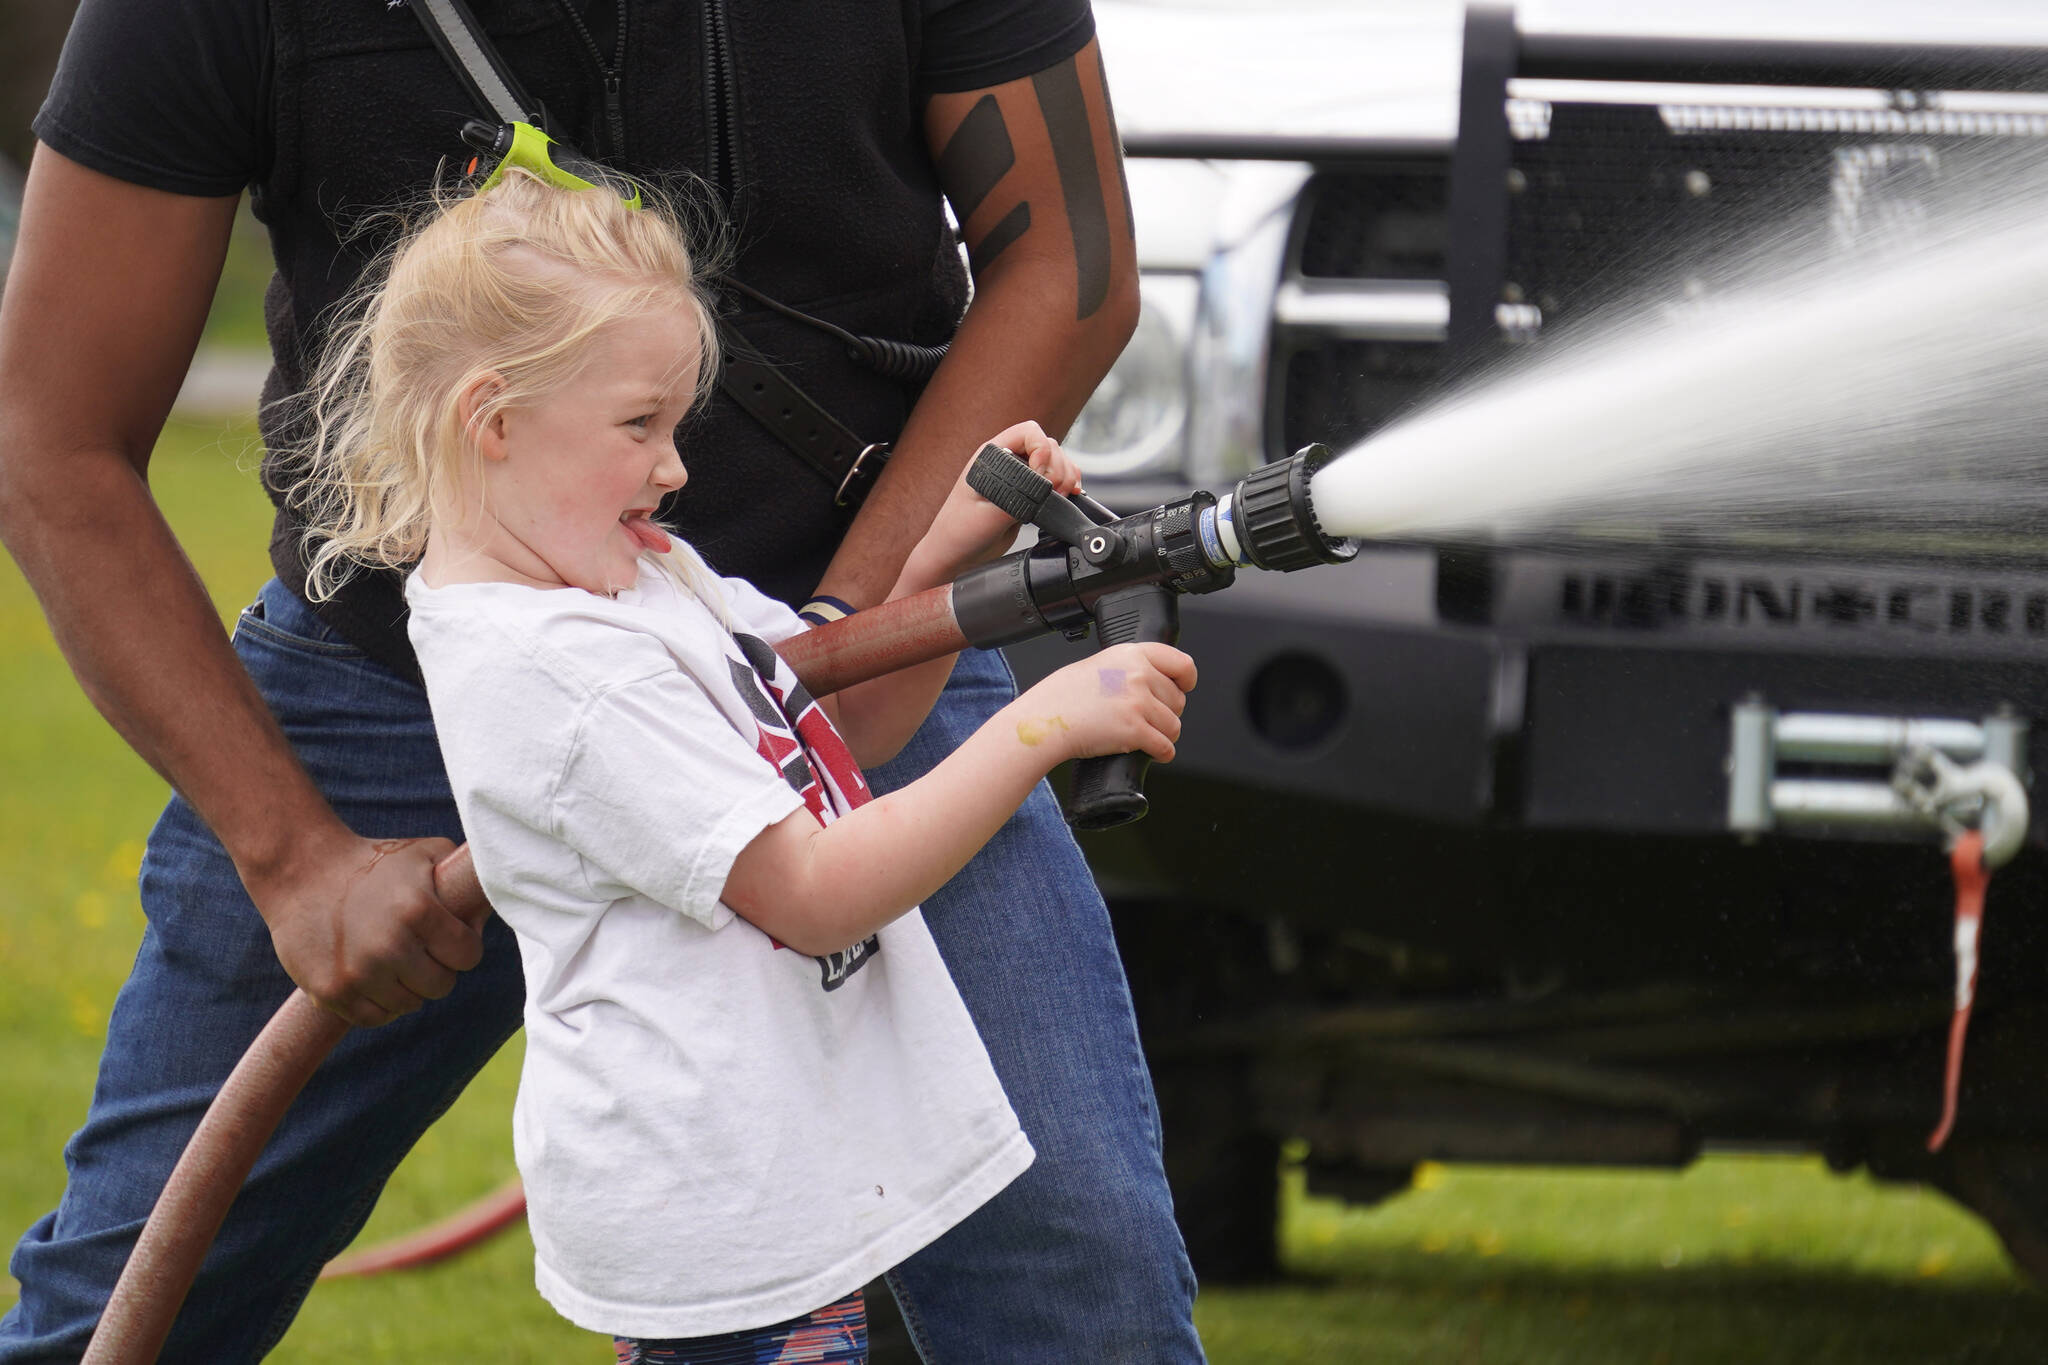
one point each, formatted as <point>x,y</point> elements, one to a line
<point>1887,387</point>
<point>1119,576</point>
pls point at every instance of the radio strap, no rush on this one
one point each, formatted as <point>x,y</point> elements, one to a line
<point>461,42</point>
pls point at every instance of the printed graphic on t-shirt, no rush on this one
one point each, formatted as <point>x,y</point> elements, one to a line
<point>794,736</point>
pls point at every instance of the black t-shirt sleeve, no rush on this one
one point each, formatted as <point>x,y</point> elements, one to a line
<point>172,94</point>
<point>973,44</point>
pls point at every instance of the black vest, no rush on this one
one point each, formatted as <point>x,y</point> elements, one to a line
<point>834,208</point>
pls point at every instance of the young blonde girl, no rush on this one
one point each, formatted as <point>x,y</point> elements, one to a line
<point>750,1085</point>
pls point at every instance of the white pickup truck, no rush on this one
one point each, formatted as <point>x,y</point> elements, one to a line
<point>1549,852</point>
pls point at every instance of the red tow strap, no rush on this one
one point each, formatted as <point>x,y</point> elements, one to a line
<point>1966,859</point>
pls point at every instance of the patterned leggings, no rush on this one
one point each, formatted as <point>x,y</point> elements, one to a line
<point>836,1334</point>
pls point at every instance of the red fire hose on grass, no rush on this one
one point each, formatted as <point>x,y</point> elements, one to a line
<point>253,1101</point>
<point>464,1228</point>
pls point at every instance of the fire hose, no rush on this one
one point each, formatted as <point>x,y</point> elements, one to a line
<point>1119,576</point>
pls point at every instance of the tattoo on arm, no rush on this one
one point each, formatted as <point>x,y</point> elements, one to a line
<point>1073,150</point>
<point>1001,235</point>
<point>977,156</point>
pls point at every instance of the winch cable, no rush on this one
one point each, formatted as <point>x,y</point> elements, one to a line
<point>1966,860</point>
<point>1983,808</point>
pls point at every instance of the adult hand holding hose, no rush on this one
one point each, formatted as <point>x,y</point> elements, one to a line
<point>363,927</point>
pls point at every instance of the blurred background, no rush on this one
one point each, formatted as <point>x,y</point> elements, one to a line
<point>1753,1256</point>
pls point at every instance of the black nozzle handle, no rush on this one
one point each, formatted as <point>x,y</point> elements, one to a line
<point>1110,790</point>
<point>1026,495</point>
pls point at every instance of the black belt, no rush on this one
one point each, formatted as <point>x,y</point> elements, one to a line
<point>849,464</point>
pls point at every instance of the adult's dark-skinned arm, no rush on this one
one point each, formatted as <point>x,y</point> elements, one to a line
<point>105,299</point>
<point>1054,302</point>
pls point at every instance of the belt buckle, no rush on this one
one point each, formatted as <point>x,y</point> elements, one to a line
<point>879,449</point>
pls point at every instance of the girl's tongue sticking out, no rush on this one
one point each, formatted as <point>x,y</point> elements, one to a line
<point>640,526</point>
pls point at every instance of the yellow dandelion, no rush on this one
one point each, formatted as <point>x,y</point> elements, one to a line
<point>91,909</point>
<point>86,1015</point>
<point>124,864</point>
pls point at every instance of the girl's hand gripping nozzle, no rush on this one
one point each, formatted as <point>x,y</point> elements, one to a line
<point>1109,790</point>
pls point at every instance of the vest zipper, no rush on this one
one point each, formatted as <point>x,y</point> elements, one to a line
<point>614,75</point>
<point>721,98</point>
<point>614,114</point>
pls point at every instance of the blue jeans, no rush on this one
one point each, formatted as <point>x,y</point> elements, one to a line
<point>1077,1260</point>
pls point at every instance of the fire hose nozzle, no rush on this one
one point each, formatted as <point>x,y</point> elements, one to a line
<point>1269,520</point>
<point>1122,576</point>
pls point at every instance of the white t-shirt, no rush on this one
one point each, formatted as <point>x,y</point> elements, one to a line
<point>716,1132</point>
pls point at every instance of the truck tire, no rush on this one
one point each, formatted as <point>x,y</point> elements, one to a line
<point>1223,1170</point>
<point>2006,1184</point>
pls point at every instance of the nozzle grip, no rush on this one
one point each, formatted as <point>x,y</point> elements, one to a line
<point>1110,790</point>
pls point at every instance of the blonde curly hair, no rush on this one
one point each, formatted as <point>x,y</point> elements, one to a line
<point>512,283</point>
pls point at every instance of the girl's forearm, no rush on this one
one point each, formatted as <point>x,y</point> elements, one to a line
<point>877,718</point>
<point>819,890</point>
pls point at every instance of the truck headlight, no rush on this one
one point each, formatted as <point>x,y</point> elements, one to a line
<point>1136,422</point>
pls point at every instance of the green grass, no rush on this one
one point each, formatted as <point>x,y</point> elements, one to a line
<point>236,320</point>
<point>1753,1259</point>
<point>1756,1260</point>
